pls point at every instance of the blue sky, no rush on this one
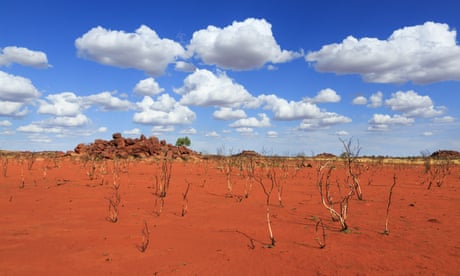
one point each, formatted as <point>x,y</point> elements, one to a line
<point>279,77</point>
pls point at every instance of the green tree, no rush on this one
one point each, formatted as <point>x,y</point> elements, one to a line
<point>183,141</point>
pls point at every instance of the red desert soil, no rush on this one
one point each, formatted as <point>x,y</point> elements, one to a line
<point>56,224</point>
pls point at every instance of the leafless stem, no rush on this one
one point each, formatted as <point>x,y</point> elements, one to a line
<point>267,191</point>
<point>321,241</point>
<point>386,231</point>
<point>145,238</point>
<point>185,200</point>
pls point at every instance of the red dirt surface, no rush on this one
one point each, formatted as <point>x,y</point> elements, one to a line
<point>56,224</point>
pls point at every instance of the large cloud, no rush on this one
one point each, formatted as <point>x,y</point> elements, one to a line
<point>143,50</point>
<point>15,93</point>
<point>61,104</point>
<point>241,46</point>
<point>289,110</point>
<point>16,89</point>
<point>107,102</point>
<point>163,111</point>
<point>412,104</point>
<point>381,122</point>
<point>422,54</point>
<point>203,88</point>
<point>23,56</point>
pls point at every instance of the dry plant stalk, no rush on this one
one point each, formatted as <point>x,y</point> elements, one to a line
<point>248,171</point>
<point>227,168</point>
<point>4,165</point>
<point>206,169</point>
<point>321,241</point>
<point>327,201</point>
<point>22,183</point>
<point>351,153</point>
<point>267,191</point>
<point>184,199</point>
<point>114,200</point>
<point>162,184</point>
<point>436,171</point>
<point>277,183</point>
<point>386,231</point>
<point>145,238</point>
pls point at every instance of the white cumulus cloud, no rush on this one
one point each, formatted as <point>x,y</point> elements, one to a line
<point>241,46</point>
<point>204,88</point>
<point>163,111</point>
<point>23,56</point>
<point>147,87</point>
<point>143,49</point>
<point>327,95</point>
<point>16,88</point>
<point>227,113</point>
<point>61,104</point>
<point>380,122</point>
<point>412,104</point>
<point>422,54</point>
<point>360,100</point>
<point>107,102</point>
<point>251,122</point>
<point>289,110</point>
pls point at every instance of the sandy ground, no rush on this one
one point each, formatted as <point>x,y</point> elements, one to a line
<point>55,221</point>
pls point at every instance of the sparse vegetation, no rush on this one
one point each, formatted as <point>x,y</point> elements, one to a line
<point>162,181</point>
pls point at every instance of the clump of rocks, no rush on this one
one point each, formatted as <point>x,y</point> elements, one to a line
<point>446,154</point>
<point>142,147</point>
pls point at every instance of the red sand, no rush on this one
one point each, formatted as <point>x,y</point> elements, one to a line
<point>56,224</point>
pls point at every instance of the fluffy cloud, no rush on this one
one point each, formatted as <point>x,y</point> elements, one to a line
<point>422,54</point>
<point>251,122</point>
<point>272,134</point>
<point>161,129</point>
<point>164,111</point>
<point>227,113</point>
<point>412,104</point>
<point>241,46</point>
<point>143,49</point>
<point>23,56</point>
<point>376,100</point>
<point>203,88</point>
<point>284,110</point>
<point>324,120</point>
<point>67,121</point>
<point>189,130</point>
<point>5,123</point>
<point>444,119</point>
<point>16,89</point>
<point>212,134</point>
<point>184,66</point>
<point>360,100</point>
<point>147,87</point>
<point>14,109</point>
<point>37,128</point>
<point>133,132</point>
<point>380,122</point>
<point>15,93</point>
<point>107,102</point>
<point>61,104</point>
<point>327,95</point>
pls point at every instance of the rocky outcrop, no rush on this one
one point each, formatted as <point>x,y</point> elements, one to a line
<point>143,147</point>
<point>248,153</point>
<point>446,154</point>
